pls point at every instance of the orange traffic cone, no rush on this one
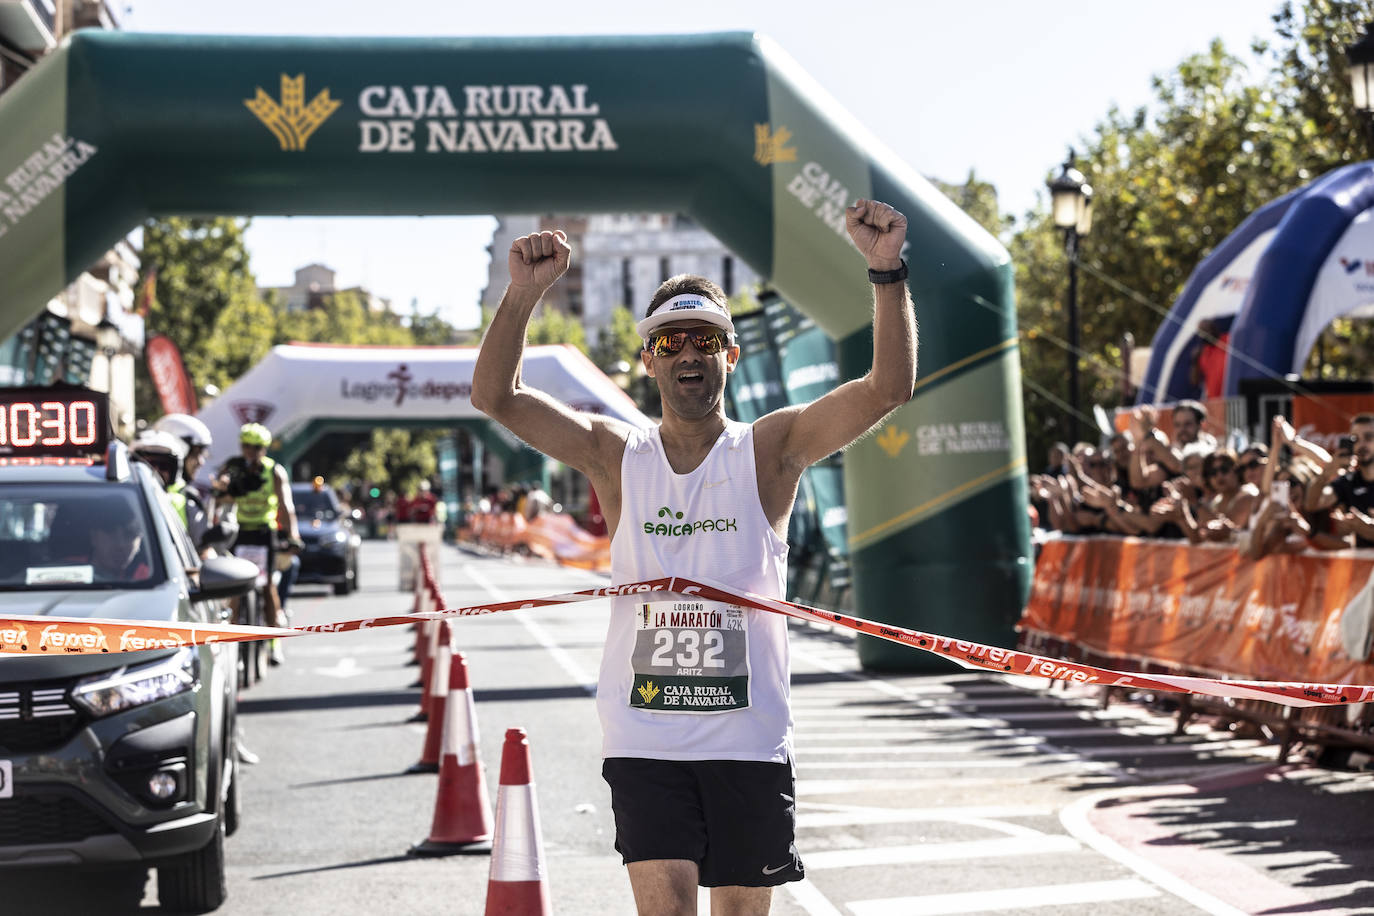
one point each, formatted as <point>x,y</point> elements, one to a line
<point>462,812</point>
<point>436,696</point>
<point>417,652</point>
<point>518,884</point>
<point>433,629</point>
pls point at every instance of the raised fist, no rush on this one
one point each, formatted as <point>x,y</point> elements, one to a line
<point>538,259</point>
<point>878,231</point>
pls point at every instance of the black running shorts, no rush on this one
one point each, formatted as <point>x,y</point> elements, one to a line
<point>735,819</point>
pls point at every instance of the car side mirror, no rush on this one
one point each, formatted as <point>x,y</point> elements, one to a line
<point>225,577</point>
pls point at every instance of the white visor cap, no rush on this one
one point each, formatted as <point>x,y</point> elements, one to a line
<point>686,307</point>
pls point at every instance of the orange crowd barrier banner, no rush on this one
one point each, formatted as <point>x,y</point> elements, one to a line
<point>1207,609</point>
<point>1324,418</point>
<point>553,536</point>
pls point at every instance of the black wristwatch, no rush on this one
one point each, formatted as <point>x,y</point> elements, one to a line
<point>879,277</point>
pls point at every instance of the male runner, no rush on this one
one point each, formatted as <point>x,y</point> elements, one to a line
<point>693,695</point>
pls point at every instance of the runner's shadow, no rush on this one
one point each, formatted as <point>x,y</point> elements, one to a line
<point>384,860</point>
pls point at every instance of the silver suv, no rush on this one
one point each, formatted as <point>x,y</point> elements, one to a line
<point>123,759</point>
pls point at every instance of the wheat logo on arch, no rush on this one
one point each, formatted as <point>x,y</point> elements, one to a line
<point>292,122</point>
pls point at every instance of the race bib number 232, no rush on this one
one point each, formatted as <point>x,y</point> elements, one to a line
<point>690,656</point>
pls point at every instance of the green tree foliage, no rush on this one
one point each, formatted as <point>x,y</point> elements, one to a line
<point>342,318</point>
<point>619,343</point>
<point>978,199</point>
<point>395,460</point>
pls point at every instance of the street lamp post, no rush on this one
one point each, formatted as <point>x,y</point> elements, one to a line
<point>1071,206</point>
<point>1360,57</point>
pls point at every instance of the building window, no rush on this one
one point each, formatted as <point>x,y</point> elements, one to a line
<point>727,275</point>
<point>626,285</point>
<point>664,269</point>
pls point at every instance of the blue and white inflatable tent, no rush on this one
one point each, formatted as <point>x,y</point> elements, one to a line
<point>1294,266</point>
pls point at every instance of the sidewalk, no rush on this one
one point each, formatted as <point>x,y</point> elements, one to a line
<point>1260,840</point>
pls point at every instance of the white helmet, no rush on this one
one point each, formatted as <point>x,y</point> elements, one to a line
<point>186,428</point>
<point>162,450</point>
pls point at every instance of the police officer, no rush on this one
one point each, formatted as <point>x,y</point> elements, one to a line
<point>167,455</point>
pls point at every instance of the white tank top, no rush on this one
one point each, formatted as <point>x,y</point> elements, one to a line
<point>683,679</point>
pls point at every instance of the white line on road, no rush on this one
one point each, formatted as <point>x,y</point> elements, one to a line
<point>1009,898</point>
<point>541,635</point>
<point>809,898</point>
<point>1020,761</point>
<point>1023,744</point>
<point>809,787</point>
<point>942,852</point>
<point>926,723</point>
<point>858,816</point>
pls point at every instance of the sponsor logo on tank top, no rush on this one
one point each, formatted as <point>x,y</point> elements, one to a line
<point>673,525</point>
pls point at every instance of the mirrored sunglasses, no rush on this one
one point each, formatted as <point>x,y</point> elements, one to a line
<point>708,343</point>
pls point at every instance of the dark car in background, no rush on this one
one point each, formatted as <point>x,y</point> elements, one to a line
<point>325,526</point>
<point>122,760</point>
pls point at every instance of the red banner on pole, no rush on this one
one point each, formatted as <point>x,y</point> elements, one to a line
<point>169,375</point>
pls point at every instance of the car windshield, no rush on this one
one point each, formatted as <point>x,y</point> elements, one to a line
<point>314,503</point>
<point>60,537</point>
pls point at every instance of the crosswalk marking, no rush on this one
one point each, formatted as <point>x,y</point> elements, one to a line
<point>1009,898</point>
<point>941,852</point>
<point>850,817</point>
<point>1021,761</point>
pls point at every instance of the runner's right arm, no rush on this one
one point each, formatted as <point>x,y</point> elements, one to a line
<point>590,443</point>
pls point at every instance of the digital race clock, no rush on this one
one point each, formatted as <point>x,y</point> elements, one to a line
<point>58,422</point>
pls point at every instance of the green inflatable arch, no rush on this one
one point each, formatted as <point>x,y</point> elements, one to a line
<point>114,128</point>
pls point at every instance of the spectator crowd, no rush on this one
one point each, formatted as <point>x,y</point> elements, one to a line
<point>1287,496</point>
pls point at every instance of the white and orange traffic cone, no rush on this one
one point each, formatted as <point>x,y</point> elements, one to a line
<point>462,812</point>
<point>433,630</point>
<point>436,697</point>
<point>518,884</point>
<point>417,652</point>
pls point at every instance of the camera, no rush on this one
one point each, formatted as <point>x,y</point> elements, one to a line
<point>241,482</point>
<point>1346,444</point>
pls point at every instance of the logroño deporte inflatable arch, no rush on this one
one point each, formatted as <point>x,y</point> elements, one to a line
<point>302,391</point>
<point>113,128</point>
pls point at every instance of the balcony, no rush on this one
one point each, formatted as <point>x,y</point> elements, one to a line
<point>28,24</point>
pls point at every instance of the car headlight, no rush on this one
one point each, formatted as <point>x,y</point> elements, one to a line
<point>136,685</point>
<point>340,537</point>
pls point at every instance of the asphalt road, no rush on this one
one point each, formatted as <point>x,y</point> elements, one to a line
<point>966,793</point>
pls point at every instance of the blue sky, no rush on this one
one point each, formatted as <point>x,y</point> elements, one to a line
<point>999,87</point>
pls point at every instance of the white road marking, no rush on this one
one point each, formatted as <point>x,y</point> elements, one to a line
<point>809,898</point>
<point>808,787</point>
<point>926,723</point>
<point>1023,744</point>
<point>347,667</point>
<point>941,852</point>
<point>855,816</point>
<point>1009,898</point>
<point>560,655</point>
<point>1021,761</point>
